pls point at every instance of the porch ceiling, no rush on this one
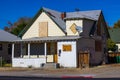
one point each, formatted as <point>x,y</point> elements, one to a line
<point>50,39</point>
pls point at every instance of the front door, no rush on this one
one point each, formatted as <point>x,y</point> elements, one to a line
<point>52,52</point>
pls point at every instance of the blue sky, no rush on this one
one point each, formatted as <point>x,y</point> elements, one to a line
<point>12,10</point>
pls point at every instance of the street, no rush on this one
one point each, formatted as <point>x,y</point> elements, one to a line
<point>105,71</point>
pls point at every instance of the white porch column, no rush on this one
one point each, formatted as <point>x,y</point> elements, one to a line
<point>28,50</point>
<point>45,49</point>
<point>12,50</point>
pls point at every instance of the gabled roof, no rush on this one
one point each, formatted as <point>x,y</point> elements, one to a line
<point>115,34</point>
<point>7,37</point>
<point>56,17</point>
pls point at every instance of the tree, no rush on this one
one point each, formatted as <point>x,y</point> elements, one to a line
<point>117,24</point>
<point>18,26</point>
<point>111,45</point>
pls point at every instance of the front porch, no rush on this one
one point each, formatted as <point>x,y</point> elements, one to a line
<point>33,54</point>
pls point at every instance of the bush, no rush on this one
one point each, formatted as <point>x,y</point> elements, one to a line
<point>7,65</point>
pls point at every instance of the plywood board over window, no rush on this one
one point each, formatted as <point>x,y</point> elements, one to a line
<point>67,48</point>
<point>73,28</point>
<point>98,46</point>
<point>43,29</point>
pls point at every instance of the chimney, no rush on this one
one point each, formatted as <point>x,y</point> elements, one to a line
<point>63,15</point>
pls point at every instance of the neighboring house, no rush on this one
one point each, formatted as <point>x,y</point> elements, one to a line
<point>56,37</point>
<point>6,40</point>
<point>115,36</point>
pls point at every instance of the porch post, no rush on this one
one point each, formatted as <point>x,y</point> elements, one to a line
<point>45,48</point>
<point>21,46</point>
<point>28,50</point>
<point>12,50</point>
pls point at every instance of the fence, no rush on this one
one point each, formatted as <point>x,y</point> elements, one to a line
<point>114,57</point>
<point>83,60</point>
<point>1,61</point>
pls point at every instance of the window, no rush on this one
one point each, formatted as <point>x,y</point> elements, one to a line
<point>67,48</point>
<point>99,29</point>
<point>9,49</point>
<point>73,28</point>
<point>1,47</point>
<point>98,46</point>
<point>43,29</point>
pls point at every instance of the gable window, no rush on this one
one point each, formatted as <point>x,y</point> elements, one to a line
<point>73,28</point>
<point>43,29</point>
<point>1,47</point>
<point>99,29</point>
<point>67,48</point>
<point>98,46</point>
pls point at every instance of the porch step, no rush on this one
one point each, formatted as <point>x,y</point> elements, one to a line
<point>50,66</point>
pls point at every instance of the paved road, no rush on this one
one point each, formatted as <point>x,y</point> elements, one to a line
<point>51,78</point>
<point>26,78</point>
<point>106,71</point>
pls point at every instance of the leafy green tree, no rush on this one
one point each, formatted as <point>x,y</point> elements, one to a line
<point>18,29</point>
<point>18,26</point>
<point>111,45</point>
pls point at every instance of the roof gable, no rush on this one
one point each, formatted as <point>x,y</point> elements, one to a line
<point>54,15</point>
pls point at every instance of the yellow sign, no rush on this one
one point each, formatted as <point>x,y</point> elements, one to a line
<point>67,48</point>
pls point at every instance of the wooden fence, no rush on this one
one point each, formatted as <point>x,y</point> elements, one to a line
<point>83,59</point>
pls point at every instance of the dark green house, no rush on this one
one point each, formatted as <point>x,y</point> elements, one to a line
<point>115,36</point>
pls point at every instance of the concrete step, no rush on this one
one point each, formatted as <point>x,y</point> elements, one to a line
<point>50,65</point>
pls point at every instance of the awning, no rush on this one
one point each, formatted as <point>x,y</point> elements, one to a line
<point>49,39</point>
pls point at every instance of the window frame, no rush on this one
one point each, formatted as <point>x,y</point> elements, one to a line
<point>1,47</point>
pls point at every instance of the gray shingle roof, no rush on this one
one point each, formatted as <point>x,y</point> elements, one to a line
<point>93,14</point>
<point>52,38</point>
<point>56,16</point>
<point>7,37</point>
<point>115,34</point>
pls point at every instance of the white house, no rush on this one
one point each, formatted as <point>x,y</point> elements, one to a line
<point>55,37</point>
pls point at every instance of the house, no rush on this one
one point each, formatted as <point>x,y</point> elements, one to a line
<point>6,45</point>
<point>59,37</point>
<point>114,35</point>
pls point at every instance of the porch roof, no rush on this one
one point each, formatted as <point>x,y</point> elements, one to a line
<point>49,39</point>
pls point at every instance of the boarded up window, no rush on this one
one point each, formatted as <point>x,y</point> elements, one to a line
<point>99,28</point>
<point>43,29</point>
<point>67,48</point>
<point>73,28</point>
<point>0,46</point>
<point>98,46</point>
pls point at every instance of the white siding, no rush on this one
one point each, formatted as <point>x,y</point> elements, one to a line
<point>53,29</point>
<point>69,24</point>
<point>67,59</point>
<point>26,62</point>
<point>118,47</point>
